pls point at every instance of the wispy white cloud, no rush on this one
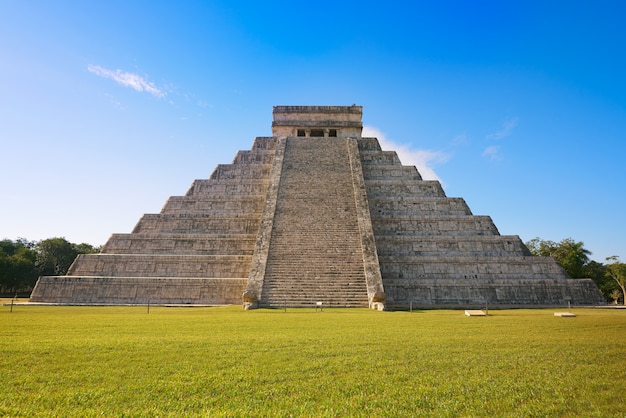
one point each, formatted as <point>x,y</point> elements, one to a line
<point>422,159</point>
<point>505,130</point>
<point>125,79</point>
<point>492,152</point>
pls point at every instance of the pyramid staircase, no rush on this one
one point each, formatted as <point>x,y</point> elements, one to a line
<point>315,251</point>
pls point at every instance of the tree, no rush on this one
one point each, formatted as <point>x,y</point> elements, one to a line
<point>17,265</point>
<point>23,261</point>
<point>599,273</point>
<point>84,248</point>
<point>541,248</point>
<point>570,255</point>
<point>617,270</point>
<point>55,256</point>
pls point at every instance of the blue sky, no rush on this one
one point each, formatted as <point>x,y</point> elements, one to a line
<point>108,108</point>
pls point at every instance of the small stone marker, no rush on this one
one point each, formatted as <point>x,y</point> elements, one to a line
<point>470,312</point>
<point>565,314</point>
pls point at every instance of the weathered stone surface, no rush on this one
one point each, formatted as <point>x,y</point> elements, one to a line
<point>514,292</point>
<point>94,290</point>
<point>316,214</point>
<point>315,251</point>
<point>180,244</point>
<point>344,120</point>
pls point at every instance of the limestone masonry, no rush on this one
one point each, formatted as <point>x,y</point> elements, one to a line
<point>316,213</point>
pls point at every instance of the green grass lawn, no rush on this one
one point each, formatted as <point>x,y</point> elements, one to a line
<point>124,361</point>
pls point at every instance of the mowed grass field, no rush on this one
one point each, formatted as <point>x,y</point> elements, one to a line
<point>222,361</point>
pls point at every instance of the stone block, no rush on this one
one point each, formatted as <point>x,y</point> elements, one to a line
<point>474,312</point>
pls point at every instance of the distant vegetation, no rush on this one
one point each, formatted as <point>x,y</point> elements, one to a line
<point>225,362</point>
<point>574,258</point>
<point>23,261</point>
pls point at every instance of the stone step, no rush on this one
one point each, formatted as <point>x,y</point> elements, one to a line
<point>313,294</point>
<point>287,288</point>
<point>315,233</point>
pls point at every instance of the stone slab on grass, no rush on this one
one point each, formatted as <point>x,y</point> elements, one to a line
<point>474,312</point>
<point>565,314</point>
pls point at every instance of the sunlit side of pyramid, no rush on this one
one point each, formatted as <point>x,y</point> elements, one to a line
<point>316,213</point>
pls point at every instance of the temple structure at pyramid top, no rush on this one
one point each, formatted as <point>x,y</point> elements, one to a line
<point>316,214</point>
<point>318,121</point>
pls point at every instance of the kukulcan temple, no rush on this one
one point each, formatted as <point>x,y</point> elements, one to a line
<point>316,213</point>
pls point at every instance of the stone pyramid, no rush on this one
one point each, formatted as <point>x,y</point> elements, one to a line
<point>316,213</point>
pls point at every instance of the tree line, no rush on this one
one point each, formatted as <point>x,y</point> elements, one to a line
<point>573,257</point>
<point>23,261</point>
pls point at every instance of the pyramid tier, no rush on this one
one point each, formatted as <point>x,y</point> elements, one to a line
<point>418,206</point>
<point>180,244</point>
<point>451,245</point>
<point>153,265</point>
<point>103,290</point>
<point>418,226</point>
<point>198,223</point>
<point>403,188</point>
<point>232,187</point>
<point>380,171</point>
<point>213,204</point>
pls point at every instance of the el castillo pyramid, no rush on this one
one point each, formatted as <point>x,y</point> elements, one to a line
<point>316,213</point>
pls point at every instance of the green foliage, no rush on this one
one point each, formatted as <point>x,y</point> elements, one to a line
<point>22,261</point>
<point>574,258</point>
<point>599,273</point>
<point>570,255</point>
<point>56,255</point>
<point>17,265</point>
<point>617,271</point>
<point>122,361</point>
